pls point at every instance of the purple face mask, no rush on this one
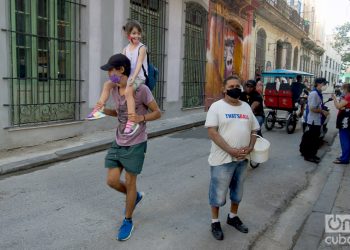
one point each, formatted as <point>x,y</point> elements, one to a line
<point>114,78</point>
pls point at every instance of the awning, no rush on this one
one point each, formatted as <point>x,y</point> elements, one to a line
<point>284,73</point>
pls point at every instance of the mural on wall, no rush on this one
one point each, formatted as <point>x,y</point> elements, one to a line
<point>225,49</point>
<point>228,55</point>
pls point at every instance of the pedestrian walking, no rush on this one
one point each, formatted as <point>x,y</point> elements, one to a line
<point>259,86</point>
<point>314,115</point>
<point>127,151</point>
<point>343,124</point>
<point>232,127</point>
<point>137,54</point>
<point>251,96</point>
<point>297,90</point>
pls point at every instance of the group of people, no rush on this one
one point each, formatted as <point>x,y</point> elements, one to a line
<point>135,105</point>
<point>315,117</point>
<point>233,124</point>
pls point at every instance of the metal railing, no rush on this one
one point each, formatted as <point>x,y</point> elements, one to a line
<point>290,13</point>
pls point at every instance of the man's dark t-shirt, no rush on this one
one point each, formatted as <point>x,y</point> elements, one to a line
<point>254,97</point>
<point>297,89</point>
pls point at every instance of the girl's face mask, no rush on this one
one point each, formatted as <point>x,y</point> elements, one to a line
<point>114,78</point>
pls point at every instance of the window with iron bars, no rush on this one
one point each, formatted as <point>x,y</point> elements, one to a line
<point>260,51</point>
<point>45,55</point>
<point>152,16</point>
<point>195,56</point>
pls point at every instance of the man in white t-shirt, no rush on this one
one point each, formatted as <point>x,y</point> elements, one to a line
<point>231,127</point>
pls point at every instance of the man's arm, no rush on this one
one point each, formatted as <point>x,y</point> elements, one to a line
<point>110,112</point>
<point>155,112</point>
<point>314,103</point>
<point>252,141</point>
<point>255,105</point>
<point>153,115</point>
<point>218,140</point>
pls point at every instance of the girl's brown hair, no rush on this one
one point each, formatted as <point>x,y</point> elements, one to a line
<point>128,27</point>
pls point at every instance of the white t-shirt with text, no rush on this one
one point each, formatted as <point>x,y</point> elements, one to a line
<point>235,124</point>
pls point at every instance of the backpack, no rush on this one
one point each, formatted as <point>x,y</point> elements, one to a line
<point>152,76</point>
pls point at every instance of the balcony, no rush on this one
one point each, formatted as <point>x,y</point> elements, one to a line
<point>285,13</point>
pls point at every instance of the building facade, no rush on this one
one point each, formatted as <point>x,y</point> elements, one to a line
<point>53,49</point>
<point>286,37</point>
<point>331,63</point>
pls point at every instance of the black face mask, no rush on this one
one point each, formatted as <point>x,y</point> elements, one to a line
<point>234,93</point>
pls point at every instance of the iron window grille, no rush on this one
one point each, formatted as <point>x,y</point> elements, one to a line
<point>195,56</point>
<point>260,51</point>
<point>295,58</point>
<point>289,56</point>
<point>45,79</point>
<point>152,16</point>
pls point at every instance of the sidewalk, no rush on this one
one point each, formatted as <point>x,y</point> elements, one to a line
<point>334,199</point>
<point>30,157</point>
<point>302,225</point>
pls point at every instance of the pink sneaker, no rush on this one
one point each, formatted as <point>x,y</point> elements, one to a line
<point>95,114</point>
<point>131,127</point>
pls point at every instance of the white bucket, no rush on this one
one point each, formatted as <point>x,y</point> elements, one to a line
<point>261,150</point>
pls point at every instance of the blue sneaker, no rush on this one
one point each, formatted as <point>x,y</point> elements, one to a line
<point>139,198</point>
<point>125,230</point>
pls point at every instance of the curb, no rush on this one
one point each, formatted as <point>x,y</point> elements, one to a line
<point>77,151</point>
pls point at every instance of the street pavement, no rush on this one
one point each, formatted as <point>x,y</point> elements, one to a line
<point>67,205</point>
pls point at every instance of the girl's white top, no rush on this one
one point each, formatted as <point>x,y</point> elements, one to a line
<point>133,56</point>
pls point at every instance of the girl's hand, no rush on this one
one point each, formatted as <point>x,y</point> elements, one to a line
<point>131,80</point>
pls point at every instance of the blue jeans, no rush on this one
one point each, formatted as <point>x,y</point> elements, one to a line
<point>261,120</point>
<point>344,136</point>
<point>229,175</point>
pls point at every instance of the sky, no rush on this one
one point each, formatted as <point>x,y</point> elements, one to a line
<point>336,12</point>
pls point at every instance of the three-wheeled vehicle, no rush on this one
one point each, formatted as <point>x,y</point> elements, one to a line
<point>280,98</point>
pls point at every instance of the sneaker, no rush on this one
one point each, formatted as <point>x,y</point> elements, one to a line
<point>237,223</point>
<point>131,127</point>
<point>217,231</point>
<point>96,114</point>
<point>125,230</point>
<point>139,198</point>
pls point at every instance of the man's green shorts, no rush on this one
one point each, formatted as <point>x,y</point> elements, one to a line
<point>129,157</point>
